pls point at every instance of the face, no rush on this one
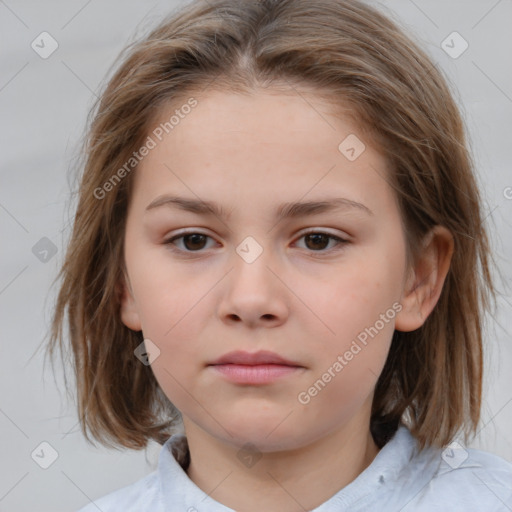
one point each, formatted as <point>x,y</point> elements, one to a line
<point>320,288</point>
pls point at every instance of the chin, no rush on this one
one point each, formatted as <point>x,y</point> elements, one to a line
<point>268,434</point>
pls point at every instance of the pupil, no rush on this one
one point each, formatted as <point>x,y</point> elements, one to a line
<point>316,238</point>
<point>194,238</point>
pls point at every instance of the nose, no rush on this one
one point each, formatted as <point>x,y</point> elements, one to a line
<point>253,293</point>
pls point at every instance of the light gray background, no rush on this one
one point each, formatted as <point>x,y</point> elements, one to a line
<point>43,105</point>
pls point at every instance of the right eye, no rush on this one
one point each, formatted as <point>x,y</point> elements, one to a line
<point>192,241</point>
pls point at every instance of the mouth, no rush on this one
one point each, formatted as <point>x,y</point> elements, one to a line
<point>261,367</point>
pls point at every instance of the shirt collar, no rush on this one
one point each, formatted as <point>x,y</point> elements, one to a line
<point>381,475</point>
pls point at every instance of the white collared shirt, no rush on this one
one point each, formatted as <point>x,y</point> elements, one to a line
<point>398,480</point>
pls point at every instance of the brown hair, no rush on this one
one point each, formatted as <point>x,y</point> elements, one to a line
<point>356,56</point>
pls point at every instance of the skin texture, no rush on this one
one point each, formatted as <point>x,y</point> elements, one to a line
<point>305,299</point>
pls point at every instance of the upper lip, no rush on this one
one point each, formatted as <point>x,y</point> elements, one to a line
<point>253,358</point>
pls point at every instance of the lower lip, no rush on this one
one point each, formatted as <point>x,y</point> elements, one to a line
<point>254,374</point>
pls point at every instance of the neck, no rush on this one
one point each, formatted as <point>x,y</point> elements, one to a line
<point>284,481</point>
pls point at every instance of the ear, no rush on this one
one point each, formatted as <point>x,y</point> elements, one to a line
<point>128,309</point>
<point>425,281</point>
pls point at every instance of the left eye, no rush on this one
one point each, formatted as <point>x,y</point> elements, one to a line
<point>194,242</point>
<point>320,238</point>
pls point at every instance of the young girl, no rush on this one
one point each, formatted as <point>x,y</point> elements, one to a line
<point>330,376</point>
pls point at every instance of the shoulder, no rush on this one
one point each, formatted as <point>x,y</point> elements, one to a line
<point>455,478</point>
<point>164,485</point>
<point>469,480</point>
<point>141,495</point>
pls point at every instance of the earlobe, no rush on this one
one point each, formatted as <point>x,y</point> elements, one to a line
<point>128,307</point>
<point>425,282</point>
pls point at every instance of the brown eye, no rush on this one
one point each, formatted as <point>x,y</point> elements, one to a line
<point>318,241</point>
<point>192,242</point>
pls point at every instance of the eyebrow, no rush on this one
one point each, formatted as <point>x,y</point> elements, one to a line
<point>285,210</point>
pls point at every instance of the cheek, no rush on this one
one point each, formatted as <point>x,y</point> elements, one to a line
<point>361,313</point>
<point>173,322</point>
<point>354,298</point>
<point>172,318</point>
<point>174,308</point>
<point>167,297</point>
<point>359,305</point>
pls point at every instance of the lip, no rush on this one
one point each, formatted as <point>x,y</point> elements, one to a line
<point>263,357</point>
<point>256,368</point>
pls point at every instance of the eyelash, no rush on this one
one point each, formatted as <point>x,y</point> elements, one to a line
<point>340,241</point>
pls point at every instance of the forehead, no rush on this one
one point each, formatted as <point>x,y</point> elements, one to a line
<point>258,145</point>
<point>302,121</point>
